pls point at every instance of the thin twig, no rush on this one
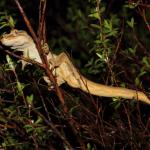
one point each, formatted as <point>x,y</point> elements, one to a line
<point>52,126</point>
<point>41,29</point>
<point>25,59</point>
<point>26,21</point>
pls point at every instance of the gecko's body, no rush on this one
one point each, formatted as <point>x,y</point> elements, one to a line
<point>65,70</point>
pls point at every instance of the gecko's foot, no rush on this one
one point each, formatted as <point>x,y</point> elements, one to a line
<point>50,84</point>
<point>45,47</point>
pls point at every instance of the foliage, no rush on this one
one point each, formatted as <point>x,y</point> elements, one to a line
<point>112,40</point>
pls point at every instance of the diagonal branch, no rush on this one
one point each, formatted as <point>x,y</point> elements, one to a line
<point>41,53</point>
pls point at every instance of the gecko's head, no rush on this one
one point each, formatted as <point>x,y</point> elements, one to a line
<point>16,38</point>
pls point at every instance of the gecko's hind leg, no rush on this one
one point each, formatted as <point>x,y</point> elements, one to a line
<point>59,81</point>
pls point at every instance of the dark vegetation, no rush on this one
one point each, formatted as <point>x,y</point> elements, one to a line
<point>109,43</point>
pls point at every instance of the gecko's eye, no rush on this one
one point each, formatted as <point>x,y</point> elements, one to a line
<point>14,32</point>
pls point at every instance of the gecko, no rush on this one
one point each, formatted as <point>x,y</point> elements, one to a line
<point>64,70</point>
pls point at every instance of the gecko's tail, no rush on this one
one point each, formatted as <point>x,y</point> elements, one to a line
<point>107,91</point>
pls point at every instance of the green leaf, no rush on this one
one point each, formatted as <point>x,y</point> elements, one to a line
<point>11,22</point>
<point>10,62</point>
<point>131,23</point>
<point>112,33</point>
<point>102,9</point>
<point>131,5</point>
<point>20,87</point>
<point>4,25</point>
<point>28,128</point>
<point>7,21</point>
<point>95,26</point>
<point>89,146</point>
<point>30,99</point>
<point>39,120</point>
<point>137,81</point>
<point>132,50</point>
<point>108,24</point>
<point>116,102</point>
<point>97,42</point>
<point>94,15</point>
<point>145,61</point>
<point>142,73</point>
